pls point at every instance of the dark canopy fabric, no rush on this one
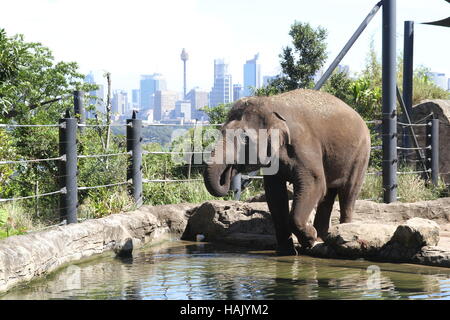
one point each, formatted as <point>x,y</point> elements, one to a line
<point>443,23</point>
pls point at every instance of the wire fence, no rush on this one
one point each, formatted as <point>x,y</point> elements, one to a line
<point>135,153</point>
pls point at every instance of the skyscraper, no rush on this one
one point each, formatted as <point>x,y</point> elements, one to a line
<point>136,99</point>
<point>119,102</point>
<point>237,91</point>
<point>222,90</point>
<point>252,75</point>
<point>148,86</point>
<point>199,99</point>
<point>183,109</point>
<point>98,96</point>
<point>164,103</point>
<point>438,79</point>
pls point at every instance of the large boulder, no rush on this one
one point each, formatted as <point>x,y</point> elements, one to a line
<point>232,222</point>
<point>417,233</point>
<point>441,110</point>
<point>358,239</point>
<point>409,240</point>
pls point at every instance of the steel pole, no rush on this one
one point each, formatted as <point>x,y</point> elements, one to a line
<point>68,169</point>
<point>433,151</point>
<point>134,172</point>
<point>408,52</point>
<point>347,46</point>
<point>389,118</point>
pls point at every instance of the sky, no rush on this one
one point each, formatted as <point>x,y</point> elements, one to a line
<point>132,37</point>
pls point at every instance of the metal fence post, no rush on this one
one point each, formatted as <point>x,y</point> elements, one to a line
<point>134,173</point>
<point>78,106</point>
<point>433,150</point>
<point>408,53</point>
<point>68,169</point>
<point>389,102</point>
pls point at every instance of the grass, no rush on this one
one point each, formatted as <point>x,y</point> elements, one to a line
<point>411,188</point>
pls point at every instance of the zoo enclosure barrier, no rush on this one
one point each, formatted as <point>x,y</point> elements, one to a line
<point>427,156</point>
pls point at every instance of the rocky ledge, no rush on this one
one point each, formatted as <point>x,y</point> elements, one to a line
<point>400,232</point>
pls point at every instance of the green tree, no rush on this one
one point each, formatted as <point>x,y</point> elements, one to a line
<point>217,114</point>
<point>31,81</point>
<point>301,61</point>
<point>31,87</point>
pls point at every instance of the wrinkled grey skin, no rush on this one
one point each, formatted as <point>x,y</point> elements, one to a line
<point>324,151</point>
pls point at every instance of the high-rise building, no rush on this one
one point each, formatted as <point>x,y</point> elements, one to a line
<point>252,75</point>
<point>439,79</point>
<point>148,86</point>
<point>164,103</point>
<point>136,99</point>
<point>267,80</point>
<point>222,90</point>
<point>183,109</point>
<point>119,102</point>
<point>199,99</point>
<point>238,91</point>
<point>97,96</point>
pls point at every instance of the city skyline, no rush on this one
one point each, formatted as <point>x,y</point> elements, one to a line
<point>235,30</point>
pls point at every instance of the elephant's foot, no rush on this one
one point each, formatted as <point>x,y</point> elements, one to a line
<point>286,251</point>
<point>307,236</point>
<point>286,248</point>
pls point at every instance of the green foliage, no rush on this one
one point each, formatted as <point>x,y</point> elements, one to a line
<point>411,187</point>
<point>7,152</point>
<point>217,114</point>
<point>8,226</point>
<point>424,88</point>
<point>30,78</point>
<point>299,62</point>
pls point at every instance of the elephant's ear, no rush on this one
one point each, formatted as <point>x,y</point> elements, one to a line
<point>280,124</point>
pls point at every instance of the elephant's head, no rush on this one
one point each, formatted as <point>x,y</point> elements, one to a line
<point>247,142</point>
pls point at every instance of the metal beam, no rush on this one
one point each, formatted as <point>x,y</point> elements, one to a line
<point>347,46</point>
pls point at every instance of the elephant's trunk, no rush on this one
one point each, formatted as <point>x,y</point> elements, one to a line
<point>217,178</point>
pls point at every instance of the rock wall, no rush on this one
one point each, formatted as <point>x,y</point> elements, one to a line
<point>25,257</point>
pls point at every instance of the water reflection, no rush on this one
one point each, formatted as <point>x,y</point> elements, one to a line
<point>185,270</point>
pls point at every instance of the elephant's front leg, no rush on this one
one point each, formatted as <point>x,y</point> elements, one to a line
<point>278,202</point>
<point>309,189</point>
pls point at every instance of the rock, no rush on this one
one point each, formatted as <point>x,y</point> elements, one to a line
<point>26,257</point>
<point>417,233</point>
<point>230,222</point>
<point>358,239</point>
<point>124,248</point>
<point>440,110</point>
<point>252,240</point>
<point>433,256</point>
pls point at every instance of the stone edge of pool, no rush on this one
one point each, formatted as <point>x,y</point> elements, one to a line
<point>27,257</point>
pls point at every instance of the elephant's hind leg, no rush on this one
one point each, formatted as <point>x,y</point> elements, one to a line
<point>307,194</point>
<point>323,213</point>
<point>348,195</point>
<point>278,203</point>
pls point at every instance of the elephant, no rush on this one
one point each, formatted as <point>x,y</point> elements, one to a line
<point>323,150</point>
